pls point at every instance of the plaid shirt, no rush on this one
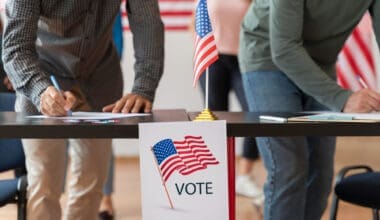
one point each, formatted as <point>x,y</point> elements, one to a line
<point>72,39</point>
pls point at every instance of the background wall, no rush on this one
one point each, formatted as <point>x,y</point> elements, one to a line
<point>175,89</point>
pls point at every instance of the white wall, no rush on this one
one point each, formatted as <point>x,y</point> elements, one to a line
<point>175,89</point>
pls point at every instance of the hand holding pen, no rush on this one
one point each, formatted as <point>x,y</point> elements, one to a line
<point>55,102</point>
<point>364,100</point>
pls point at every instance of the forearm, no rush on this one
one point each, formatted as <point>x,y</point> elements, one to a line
<point>148,41</point>
<point>289,54</point>
<point>19,51</point>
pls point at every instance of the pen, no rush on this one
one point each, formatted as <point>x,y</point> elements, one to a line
<point>273,118</point>
<point>362,83</point>
<point>56,85</point>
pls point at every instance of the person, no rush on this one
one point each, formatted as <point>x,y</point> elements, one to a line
<point>73,41</point>
<point>106,210</point>
<point>288,50</point>
<point>224,76</point>
<point>5,85</point>
<point>3,75</point>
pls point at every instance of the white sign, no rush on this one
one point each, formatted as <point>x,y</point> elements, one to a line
<point>184,170</point>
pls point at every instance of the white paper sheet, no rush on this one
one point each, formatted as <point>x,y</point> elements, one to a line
<point>340,116</point>
<point>92,116</point>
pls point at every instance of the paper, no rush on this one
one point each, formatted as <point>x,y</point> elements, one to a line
<point>339,117</point>
<point>92,116</point>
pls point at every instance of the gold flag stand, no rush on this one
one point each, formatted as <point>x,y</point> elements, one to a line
<point>206,115</point>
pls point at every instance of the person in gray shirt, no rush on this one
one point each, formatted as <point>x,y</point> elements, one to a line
<point>72,40</point>
<point>288,50</point>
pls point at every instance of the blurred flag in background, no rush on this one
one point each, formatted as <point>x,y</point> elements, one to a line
<point>356,61</point>
<point>176,14</point>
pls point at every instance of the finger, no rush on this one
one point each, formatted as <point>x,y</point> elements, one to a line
<point>70,100</point>
<point>51,107</point>
<point>57,96</point>
<point>368,100</point>
<point>130,102</point>
<point>118,105</point>
<point>108,108</point>
<point>148,107</point>
<point>55,102</point>
<point>375,97</point>
<point>138,105</point>
<point>373,94</point>
<point>372,103</point>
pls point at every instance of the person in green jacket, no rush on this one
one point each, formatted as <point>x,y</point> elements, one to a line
<point>287,55</point>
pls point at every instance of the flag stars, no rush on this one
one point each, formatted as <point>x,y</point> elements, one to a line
<point>164,149</point>
<point>203,25</point>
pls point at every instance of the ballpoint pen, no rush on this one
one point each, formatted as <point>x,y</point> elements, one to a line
<point>362,83</point>
<point>56,85</point>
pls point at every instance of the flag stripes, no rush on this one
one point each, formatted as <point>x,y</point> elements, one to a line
<point>175,14</point>
<point>205,47</point>
<point>205,54</point>
<point>356,61</point>
<point>194,154</point>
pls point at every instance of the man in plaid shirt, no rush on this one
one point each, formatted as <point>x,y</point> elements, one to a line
<point>73,41</point>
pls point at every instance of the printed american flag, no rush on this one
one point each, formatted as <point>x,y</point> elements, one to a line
<point>356,60</point>
<point>205,47</point>
<point>176,14</point>
<point>187,156</point>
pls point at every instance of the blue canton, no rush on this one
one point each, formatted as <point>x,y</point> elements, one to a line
<point>163,150</point>
<point>202,25</point>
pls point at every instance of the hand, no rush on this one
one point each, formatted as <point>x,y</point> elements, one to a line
<point>130,103</point>
<point>8,83</point>
<point>56,103</point>
<point>365,100</point>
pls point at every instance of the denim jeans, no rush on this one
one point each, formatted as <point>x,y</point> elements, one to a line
<point>224,77</point>
<point>300,169</point>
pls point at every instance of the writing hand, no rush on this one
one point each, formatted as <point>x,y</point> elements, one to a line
<point>130,103</point>
<point>365,100</point>
<point>56,103</point>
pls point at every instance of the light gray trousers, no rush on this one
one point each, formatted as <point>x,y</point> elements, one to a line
<point>45,161</point>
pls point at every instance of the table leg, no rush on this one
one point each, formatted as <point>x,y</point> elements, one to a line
<point>231,176</point>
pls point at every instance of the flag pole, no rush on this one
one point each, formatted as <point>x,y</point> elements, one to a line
<point>206,114</point>
<point>162,180</point>
<point>206,93</point>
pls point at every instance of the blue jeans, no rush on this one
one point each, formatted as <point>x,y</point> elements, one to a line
<point>300,169</point>
<point>224,77</point>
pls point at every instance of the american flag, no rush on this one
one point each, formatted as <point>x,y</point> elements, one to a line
<point>205,47</point>
<point>187,156</point>
<point>176,14</point>
<point>356,61</point>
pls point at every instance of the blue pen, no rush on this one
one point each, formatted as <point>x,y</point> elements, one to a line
<point>56,85</point>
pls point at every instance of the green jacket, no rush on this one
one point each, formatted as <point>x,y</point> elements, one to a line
<point>303,39</point>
